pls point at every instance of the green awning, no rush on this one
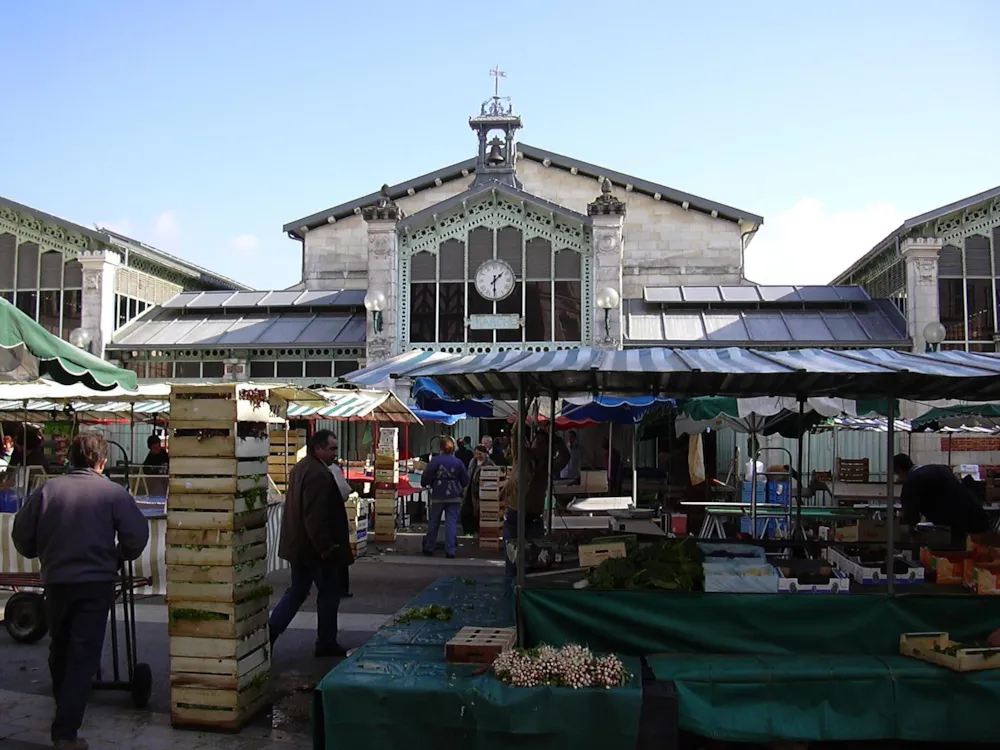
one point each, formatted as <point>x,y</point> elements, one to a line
<point>28,351</point>
<point>768,414</point>
<point>966,415</point>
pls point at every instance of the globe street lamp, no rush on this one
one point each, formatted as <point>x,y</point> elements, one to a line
<point>81,339</point>
<point>934,334</point>
<point>375,303</point>
<point>607,300</point>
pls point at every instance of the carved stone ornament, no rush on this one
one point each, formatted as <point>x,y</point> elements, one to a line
<point>606,204</point>
<point>607,243</point>
<point>379,348</point>
<point>92,280</point>
<point>385,209</point>
<point>925,268</point>
<point>381,243</point>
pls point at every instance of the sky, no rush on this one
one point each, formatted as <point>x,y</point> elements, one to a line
<point>202,127</point>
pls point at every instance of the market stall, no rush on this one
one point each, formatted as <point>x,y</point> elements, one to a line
<point>726,653</point>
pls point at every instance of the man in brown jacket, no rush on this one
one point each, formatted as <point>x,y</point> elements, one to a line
<point>316,540</point>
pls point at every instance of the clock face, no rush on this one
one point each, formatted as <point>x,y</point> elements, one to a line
<point>495,280</point>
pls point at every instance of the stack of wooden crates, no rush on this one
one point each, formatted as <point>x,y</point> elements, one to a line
<point>492,480</point>
<point>357,520</point>
<point>386,482</point>
<point>216,554</point>
<point>287,449</point>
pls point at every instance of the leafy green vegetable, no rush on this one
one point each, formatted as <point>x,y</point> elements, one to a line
<point>674,565</point>
<point>430,612</point>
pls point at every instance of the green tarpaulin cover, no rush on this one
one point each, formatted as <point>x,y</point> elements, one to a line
<point>398,691</point>
<point>768,667</point>
<point>34,351</point>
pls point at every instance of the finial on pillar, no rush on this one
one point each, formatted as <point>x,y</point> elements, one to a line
<point>385,208</point>
<point>606,203</point>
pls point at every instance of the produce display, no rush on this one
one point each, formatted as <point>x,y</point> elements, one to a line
<point>673,565</point>
<point>571,666</point>
<point>430,612</point>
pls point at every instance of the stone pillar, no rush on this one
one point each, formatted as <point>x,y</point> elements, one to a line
<point>608,216</point>
<point>922,302</point>
<point>236,370</point>
<point>383,275</point>
<point>98,302</point>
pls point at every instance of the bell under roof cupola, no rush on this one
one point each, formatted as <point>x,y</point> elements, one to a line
<point>496,125</point>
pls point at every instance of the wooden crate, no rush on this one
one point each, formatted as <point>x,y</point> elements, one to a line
<point>479,645</point>
<point>385,537</point>
<point>225,673</point>
<point>217,619</point>
<point>215,546</point>
<point>490,543</point>
<point>930,647</point>
<point>217,583</point>
<point>224,440</point>
<point>223,402</point>
<point>216,475</point>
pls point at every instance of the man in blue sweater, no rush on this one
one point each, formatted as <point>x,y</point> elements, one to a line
<point>70,523</point>
<point>447,477</point>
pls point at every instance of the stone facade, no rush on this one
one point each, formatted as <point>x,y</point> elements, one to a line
<point>98,304</point>
<point>922,301</point>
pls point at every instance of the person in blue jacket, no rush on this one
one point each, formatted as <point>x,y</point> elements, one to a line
<point>447,478</point>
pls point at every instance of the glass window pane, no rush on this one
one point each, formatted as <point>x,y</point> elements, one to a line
<point>73,275</point>
<point>538,258</point>
<point>213,370</point>
<point>567,265</point>
<point>27,302</point>
<point>343,367</point>
<point>49,309</point>
<point>6,261</point>
<point>537,310</point>
<point>72,311</point>
<point>133,308</point>
<point>423,308</point>
<point>568,325</point>
<point>451,314</point>
<point>190,370</point>
<point>509,247</point>
<point>261,370</point>
<point>979,298</point>
<point>480,248</point>
<point>509,306</point>
<point>452,260</point>
<point>952,305</point>
<point>291,369</point>
<point>316,368</point>
<point>479,306</point>
<point>423,267</point>
<point>977,256</point>
<point>9,296</point>
<point>27,266</point>
<point>50,274</point>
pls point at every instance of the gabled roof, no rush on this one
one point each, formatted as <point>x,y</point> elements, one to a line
<point>464,168</point>
<point>913,223</point>
<point>103,236</point>
<point>485,189</point>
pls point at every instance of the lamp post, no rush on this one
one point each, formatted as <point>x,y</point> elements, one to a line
<point>934,334</point>
<point>81,339</point>
<point>375,302</point>
<point>608,299</point>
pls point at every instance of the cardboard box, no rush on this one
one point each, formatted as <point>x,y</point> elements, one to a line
<point>986,545</point>
<point>948,567</point>
<point>594,553</point>
<point>984,579</point>
<point>479,645</point>
<point>871,575</point>
<point>867,530</point>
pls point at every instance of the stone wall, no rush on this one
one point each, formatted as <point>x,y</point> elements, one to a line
<point>664,244</point>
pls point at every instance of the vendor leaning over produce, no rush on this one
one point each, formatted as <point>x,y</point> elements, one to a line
<point>934,492</point>
<point>537,455</point>
<point>70,524</point>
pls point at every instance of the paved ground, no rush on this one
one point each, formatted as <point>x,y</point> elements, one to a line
<point>381,586</point>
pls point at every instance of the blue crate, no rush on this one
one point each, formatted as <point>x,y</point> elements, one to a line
<point>779,493</point>
<point>760,492</point>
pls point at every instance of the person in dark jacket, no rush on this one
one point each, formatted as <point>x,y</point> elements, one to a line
<point>70,524</point>
<point>157,460</point>
<point>464,451</point>
<point>934,492</point>
<point>447,477</point>
<point>316,541</point>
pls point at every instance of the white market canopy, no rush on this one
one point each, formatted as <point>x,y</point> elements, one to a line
<point>750,414</point>
<point>39,400</point>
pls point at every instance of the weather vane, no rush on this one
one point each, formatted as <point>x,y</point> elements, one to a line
<point>495,106</point>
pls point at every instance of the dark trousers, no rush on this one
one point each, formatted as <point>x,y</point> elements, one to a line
<point>534,527</point>
<point>327,577</point>
<point>77,618</point>
<point>345,580</point>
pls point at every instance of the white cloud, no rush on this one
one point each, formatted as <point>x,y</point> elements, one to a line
<point>810,244</point>
<point>245,243</point>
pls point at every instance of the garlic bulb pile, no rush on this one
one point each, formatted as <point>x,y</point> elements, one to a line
<point>571,666</point>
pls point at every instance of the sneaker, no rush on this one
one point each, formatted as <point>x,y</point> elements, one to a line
<point>78,744</point>
<point>450,557</point>
<point>330,653</point>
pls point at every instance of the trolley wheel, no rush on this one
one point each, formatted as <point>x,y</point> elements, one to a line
<point>142,685</point>
<point>24,617</point>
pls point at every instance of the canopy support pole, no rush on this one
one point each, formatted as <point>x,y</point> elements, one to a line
<point>798,492</point>
<point>890,553</point>
<point>521,459</point>
<point>550,489</point>
<point>635,463</point>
